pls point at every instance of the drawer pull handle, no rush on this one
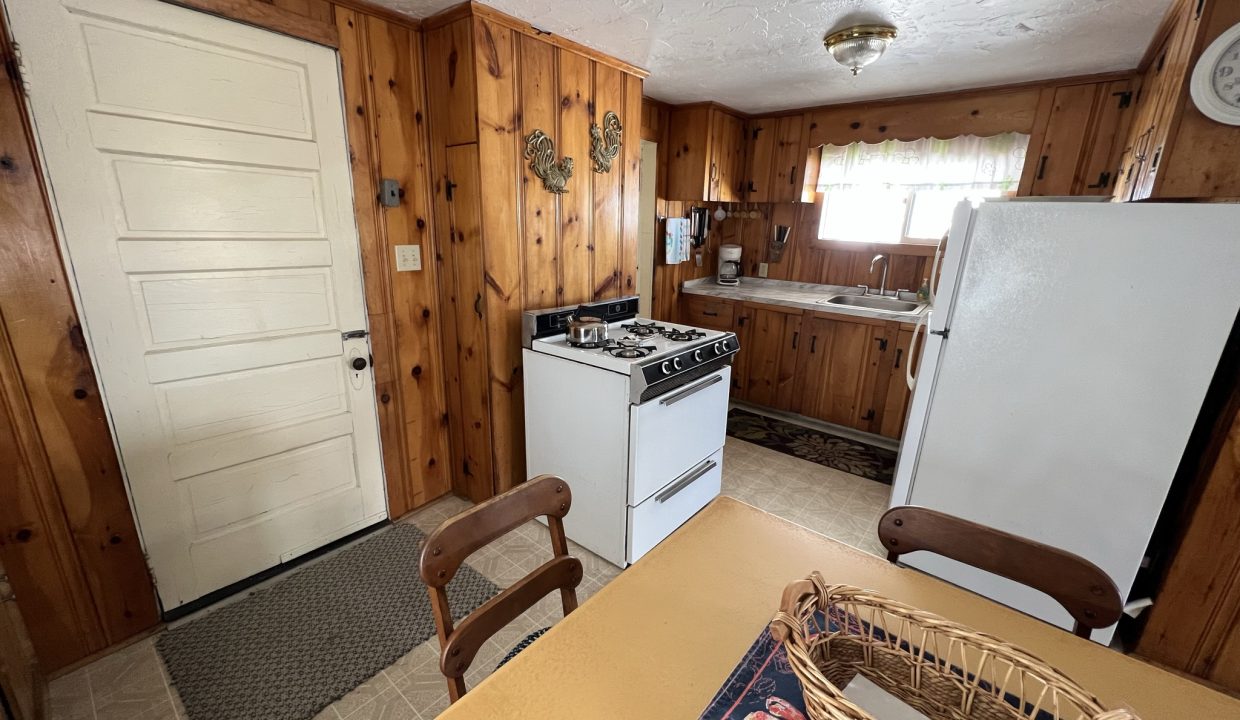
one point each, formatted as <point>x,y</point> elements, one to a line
<point>672,399</point>
<point>685,481</point>
<point>710,313</point>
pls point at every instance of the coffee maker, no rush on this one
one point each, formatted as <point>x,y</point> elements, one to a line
<point>729,265</point>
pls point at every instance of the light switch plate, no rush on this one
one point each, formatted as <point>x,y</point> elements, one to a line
<point>762,270</point>
<point>408,257</point>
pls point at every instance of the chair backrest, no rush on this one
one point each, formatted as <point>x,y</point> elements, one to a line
<point>458,537</point>
<point>1085,591</point>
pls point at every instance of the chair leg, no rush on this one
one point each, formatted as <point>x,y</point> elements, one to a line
<point>456,688</point>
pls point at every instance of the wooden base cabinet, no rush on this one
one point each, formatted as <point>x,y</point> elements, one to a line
<point>840,369</point>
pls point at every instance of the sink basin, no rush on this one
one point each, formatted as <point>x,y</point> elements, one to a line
<point>871,302</point>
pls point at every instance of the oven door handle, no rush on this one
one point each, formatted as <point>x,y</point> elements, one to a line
<point>672,399</point>
<point>685,481</point>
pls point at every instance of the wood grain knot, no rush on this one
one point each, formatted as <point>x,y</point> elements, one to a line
<point>80,393</point>
<point>416,371</point>
<point>882,128</point>
<point>23,535</point>
<point>855,126</point>
<point>7,163</point>
<point>385,398</point>
<point>115,539</point>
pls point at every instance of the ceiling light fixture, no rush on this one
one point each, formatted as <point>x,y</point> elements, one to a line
<point>858,46</point>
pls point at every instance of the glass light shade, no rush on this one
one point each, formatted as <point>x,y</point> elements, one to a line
<point>856,47</point>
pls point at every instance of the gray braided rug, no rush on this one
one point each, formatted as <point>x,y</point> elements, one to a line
<point>290,650</point>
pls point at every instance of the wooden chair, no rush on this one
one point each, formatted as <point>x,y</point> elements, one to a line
<point>1085,591</point>
<point>458,537</point>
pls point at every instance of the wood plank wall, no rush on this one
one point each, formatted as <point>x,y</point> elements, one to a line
<point>387,119</point>
<point>521,247</point>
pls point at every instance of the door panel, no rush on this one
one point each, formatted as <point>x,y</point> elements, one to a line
<point>200,172</point>
<point>895,406</point>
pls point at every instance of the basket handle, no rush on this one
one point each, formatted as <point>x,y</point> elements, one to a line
<point>784,623</point>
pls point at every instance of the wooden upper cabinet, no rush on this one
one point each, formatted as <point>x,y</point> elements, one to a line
<point>1079,146</point>
<point>706,155</point>
<point>776,158</point>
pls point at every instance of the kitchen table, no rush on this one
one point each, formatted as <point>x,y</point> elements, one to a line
<point>660,639</point>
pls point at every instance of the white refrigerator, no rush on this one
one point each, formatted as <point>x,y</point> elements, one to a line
<point>1064,362</point>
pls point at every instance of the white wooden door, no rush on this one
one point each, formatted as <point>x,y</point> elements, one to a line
<point>200,174</point>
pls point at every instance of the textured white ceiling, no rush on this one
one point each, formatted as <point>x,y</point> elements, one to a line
<point>761,55</point>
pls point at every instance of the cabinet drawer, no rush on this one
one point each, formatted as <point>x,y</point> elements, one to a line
<point>660,514</point>
<point>707,312</point>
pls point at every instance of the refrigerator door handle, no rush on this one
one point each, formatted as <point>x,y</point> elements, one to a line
<point>923,321</point>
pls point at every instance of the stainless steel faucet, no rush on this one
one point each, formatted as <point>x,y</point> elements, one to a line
<point>882,285</point>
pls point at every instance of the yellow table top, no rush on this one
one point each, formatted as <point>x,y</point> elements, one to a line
<point>659,640</point>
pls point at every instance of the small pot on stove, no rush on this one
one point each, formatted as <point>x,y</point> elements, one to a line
<point>586,331</point>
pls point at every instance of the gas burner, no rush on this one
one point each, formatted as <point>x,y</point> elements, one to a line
<point>630,352</point>
<point>644,329</point>
<point>593,345</point>
<point>682,335</point>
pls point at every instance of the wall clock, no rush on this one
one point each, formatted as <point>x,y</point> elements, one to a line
<point>1216,79</point>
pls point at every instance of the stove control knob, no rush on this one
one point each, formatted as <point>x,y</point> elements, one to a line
<point>697,356</point>
<point>665,368</point>
<point>726,345</point>
<point>676,364</point>
<point>718,348</point>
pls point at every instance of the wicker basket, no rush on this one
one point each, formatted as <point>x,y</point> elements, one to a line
<point>943,670</point>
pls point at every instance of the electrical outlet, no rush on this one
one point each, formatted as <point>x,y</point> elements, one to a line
<point>408,257</point>
<point>762,270</point>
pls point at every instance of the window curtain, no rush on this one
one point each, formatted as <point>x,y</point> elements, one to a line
<point>968,161</point>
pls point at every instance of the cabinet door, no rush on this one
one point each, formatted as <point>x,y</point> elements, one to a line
<point>840,370</point>
<point>1103,156</point>
<point>895,405</point>
<point>1054,172</point>
<point>772,357</point>
<point>689,169</point>
<point>763,136</point>
<point>727,156</point>
<point>787,160</point>
<point>742,323</point>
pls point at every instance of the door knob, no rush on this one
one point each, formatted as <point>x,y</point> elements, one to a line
<point>359,363</point>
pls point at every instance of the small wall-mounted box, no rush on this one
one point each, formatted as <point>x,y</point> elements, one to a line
<point>408,257</point>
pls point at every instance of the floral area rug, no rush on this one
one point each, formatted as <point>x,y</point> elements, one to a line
<point>868,461</point>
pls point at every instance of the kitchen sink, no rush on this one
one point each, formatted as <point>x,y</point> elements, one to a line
<point>872,302</point>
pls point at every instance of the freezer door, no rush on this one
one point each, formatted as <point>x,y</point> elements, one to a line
<point>1082,341</point>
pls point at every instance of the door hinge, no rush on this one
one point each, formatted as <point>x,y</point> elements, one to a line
<point>754,133</point>
<point>869,415</point>
<point>882,344</point>
<point>1125,98</point>
<point>941,333</point>
<point>1104,180</point>
<point>15,66</point>
<point>448,188</point>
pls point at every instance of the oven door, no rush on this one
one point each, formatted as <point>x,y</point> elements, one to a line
<point>671,433</point>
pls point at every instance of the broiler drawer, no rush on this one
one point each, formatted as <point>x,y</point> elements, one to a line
<point>669,508</point>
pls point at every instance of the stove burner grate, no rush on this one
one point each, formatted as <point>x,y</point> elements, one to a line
<point>683,335</point>
<point>630,352</point>
<point>644,329</point>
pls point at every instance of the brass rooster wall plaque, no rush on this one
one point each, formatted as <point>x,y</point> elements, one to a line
<point>540,151</point>
<point>605,142</point>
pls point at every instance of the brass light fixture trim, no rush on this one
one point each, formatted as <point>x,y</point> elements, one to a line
<point>857,46</point>
<point>605,142</point>
<point>540,151</point>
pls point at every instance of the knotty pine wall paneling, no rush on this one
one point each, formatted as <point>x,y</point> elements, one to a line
<point>534,249</point>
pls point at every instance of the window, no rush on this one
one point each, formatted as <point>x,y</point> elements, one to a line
<point>907,191</point>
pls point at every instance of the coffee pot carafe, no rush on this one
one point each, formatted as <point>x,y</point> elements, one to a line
<point>729,265</point>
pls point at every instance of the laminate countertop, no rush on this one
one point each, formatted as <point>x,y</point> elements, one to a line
<point>805,296</point>
<point>660,639</point>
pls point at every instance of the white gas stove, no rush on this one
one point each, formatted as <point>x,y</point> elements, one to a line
<point>635,425</point>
